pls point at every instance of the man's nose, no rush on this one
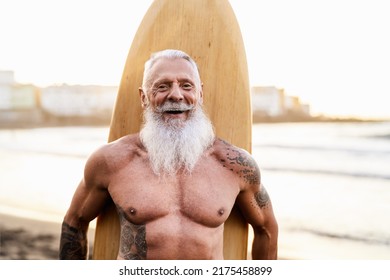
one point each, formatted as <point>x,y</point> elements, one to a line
<point>175,94</point>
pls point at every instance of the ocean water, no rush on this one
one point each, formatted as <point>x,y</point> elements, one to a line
<point>329,182</point>
<point>40,168</point>
<point>330,187</point>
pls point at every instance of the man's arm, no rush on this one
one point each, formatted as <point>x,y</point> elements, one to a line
<point>260,215</point>
<point>88,200</point>
<point>255,204</point>
<point>73,242</point>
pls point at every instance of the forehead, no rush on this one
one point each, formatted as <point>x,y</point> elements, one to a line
<point>172,68</point>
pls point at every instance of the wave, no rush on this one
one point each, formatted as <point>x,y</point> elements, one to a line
<point>370,240</point>
<point>355,151</point>
<point>46,152</point>
<point>328,172</point>
<point>380,136</point>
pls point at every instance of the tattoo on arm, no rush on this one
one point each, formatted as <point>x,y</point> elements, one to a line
<point>73,243</point>
<point>133,240</point>
<point>243,165</point>
<point>262,198</point>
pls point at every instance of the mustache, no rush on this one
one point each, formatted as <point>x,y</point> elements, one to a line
<point>174,106</point>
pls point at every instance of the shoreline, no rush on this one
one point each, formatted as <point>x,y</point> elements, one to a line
<point>25,119</point>
<point>30,239</point>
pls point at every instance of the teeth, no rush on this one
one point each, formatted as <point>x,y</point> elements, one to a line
<point>173,109</point>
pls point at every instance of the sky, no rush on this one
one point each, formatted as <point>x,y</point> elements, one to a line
<point>333,54</point>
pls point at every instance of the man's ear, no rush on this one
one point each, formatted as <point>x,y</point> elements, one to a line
<point>143,97</point>
<point>201,95</point>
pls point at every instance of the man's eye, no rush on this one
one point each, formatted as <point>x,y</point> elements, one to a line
<point>187,86</point>
<point>162,87</point>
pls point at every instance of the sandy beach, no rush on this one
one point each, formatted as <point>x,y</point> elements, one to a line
<point>27,239</point>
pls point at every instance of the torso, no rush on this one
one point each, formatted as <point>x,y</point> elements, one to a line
<point>172,217</point>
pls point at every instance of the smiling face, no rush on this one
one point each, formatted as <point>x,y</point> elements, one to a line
<point>174,90</point>
<point>174,119</point>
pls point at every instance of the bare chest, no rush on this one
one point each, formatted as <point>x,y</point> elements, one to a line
<point>206,196</point>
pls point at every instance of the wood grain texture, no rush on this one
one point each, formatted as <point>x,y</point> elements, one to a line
<point>208,31</point>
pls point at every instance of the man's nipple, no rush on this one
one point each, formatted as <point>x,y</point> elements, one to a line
<point>132,211</point>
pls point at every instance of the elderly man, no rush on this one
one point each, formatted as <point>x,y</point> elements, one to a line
<point>173,183</point>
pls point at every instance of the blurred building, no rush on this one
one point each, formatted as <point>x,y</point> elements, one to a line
<point>14,96</point>
<point>77,100</point>
<point>268,101</point>
<point>7,77</point>
<point>25,105</point>
<point>293,105</point>
<point>271,103</point>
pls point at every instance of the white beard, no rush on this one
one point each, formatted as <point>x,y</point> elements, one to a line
<point>176,144</point>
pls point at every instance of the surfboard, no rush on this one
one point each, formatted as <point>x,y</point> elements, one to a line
<point>209,32</point>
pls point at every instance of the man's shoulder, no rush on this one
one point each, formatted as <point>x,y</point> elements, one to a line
<point>223,149</point>
<point>237,160</point>
<point>130,141</point>
<point>118,150</point>
<point>109,158</point>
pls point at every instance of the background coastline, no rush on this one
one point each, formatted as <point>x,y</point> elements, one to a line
<point>16,119</point>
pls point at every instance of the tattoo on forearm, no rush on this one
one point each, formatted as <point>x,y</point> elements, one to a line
<point>242,165</point>
<point>133,240</point>
<point>262,197</point>
<point>73,243</point>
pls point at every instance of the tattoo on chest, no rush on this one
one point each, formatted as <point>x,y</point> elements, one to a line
<point>133,240</point>
<point>262,197</point>
<point>243,165</point>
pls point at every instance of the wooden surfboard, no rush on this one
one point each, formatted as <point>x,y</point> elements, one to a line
<point>208,31</point>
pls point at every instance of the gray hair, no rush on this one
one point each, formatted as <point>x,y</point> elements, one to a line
<point>171,54</point>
